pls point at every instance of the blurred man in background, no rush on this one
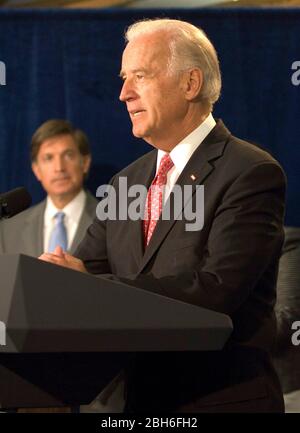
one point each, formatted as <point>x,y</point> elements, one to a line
<point>60,157</point>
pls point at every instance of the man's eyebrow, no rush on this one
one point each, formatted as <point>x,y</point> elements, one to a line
<point>122,74</point>
<point>51,152</point>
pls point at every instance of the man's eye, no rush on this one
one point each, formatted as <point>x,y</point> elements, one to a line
<point>47,158</point>
<point>139,76</point>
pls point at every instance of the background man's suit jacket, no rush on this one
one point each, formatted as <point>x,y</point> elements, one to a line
<point>24,232</point>
<point>229,266</point>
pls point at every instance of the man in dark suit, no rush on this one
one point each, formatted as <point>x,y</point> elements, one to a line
<point>171,81</point>
<point>60,156</point>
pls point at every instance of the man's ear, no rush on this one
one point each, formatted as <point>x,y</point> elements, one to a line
<point>36,170</point>
<point>86,162</point>
<point>193,83</point>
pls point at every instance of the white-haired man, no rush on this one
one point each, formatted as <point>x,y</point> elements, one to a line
<point>171,79</point>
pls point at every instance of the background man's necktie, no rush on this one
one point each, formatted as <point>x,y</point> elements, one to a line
<point>154,200</point>
<point>59,233</point>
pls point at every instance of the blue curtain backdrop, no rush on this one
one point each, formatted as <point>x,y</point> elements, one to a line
<point>65,64</point>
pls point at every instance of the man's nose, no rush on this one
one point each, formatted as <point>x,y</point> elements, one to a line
<point>127,91</point>
<point>59,164</point>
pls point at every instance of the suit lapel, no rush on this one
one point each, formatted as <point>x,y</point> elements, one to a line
<point>198,168</point>
<point>88,214</point>
<point>32,233</point>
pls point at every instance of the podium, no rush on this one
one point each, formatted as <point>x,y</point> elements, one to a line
<point>68,333</point>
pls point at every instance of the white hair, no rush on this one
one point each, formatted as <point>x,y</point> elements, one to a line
<point>189,48</point>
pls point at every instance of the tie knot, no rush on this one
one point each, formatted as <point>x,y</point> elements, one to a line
<point>59,217</point>
<point>165,165</point>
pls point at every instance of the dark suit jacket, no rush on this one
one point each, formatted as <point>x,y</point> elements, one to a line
<point>229,266</point>
<point>24,232</point>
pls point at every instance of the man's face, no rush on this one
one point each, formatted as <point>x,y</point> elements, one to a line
<point>60,167</point>
<point>154,97</point>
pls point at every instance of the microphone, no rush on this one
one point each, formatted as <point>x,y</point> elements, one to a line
<point>14,202</point>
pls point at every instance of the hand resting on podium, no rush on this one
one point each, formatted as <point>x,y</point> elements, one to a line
<point>61,258</point>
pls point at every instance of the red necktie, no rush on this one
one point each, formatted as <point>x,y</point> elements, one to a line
<point>155,198</point>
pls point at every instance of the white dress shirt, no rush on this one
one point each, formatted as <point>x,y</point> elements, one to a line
<point>72,211</point>
<point>181,153</point>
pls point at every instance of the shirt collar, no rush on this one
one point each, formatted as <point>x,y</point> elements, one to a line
<point>184,150</point>
<point>72,210</point>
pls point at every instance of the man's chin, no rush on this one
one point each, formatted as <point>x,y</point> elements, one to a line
<point>141,133</point>
<point>63,196</point>
<point>138,130</point>
<point>136,133</point>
